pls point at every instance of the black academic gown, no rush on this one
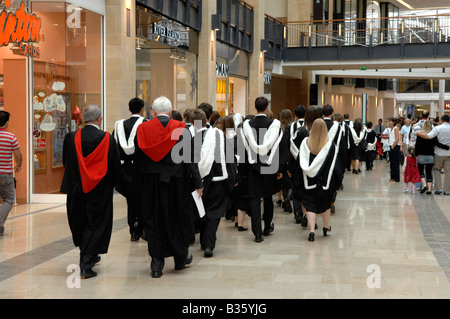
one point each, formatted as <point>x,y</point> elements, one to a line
<point>318,189</point>
<point>218,185</point>
<point>166,199</point>
<point>126,187</point>
<point>370,155</point>
<point>90,215</point>
<point>261,184</point>
<point>262,174</point>
<point>348,142</point>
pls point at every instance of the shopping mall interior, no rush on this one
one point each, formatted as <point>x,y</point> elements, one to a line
<point>369,59</point>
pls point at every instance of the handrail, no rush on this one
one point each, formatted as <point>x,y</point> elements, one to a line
<point>363,19</point>
<point>369,31</point>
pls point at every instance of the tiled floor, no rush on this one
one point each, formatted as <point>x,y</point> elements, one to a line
<point>383,244</point>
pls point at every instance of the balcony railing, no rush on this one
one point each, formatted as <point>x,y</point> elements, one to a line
<point>370,31</point>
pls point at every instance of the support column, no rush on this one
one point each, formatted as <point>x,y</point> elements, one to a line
<point>441,98</point>
<point>207,83</point>
<point>256,59</point>
<point>120,81</point>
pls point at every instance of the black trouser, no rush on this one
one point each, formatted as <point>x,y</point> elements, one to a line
<point>255,214</point>
<point>208,231</point>
<point>428,168</point>
<point>134,215</point>
<point>394,160</point>
<point>87,261</point>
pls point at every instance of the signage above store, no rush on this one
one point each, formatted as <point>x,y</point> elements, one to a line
<point>447,106</point>
<point>19,26</point>
<point>222,69</point>
<point>267,78</point>
<point>166,32</point>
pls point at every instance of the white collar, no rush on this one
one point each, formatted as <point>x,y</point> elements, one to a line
<point>94,125</point>
<point>261,115</point>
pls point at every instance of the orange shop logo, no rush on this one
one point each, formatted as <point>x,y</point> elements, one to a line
<point>19,26</point>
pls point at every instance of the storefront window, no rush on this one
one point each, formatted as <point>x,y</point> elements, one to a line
<point>166,61</point>
<point>67,76</point>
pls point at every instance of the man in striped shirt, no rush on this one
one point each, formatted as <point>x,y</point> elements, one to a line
<point>9,146</point>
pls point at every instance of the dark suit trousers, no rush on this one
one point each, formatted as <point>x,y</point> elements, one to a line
<point>255,214</point>
<point>208,232</point>
<point>134,215</point>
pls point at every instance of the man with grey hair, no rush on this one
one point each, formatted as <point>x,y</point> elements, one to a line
<point>92,170</point>
<point>166,183</point>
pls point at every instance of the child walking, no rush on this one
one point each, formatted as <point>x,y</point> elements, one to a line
<point>411,175</point>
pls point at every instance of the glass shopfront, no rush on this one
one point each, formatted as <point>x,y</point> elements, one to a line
<point>47,81</point>
<point>166,61</point>
<point>232,80</point>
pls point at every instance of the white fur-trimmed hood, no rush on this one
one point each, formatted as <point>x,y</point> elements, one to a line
<point>208,154</point>
<point>127,145</point>
<point>271,141</point>
<point>310,170</point>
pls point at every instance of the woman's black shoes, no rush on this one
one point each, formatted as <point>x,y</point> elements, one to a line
<point>326,230</point>
<point>311,237</point>
<point>424,189</point>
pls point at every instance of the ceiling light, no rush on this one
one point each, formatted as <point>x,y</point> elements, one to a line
<point>405,4</point>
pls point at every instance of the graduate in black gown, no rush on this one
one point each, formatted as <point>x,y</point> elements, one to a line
<point>264,152</point>
<point>124,134</point>
<point>219,179</point>
<point>312,113</point>
<point>164,172</point>
<point>370,153</point>
<point>336,134</point>
<point>92,170</point>
<point>289,135</point>
<point>348,138</point>
<point>320,177</point>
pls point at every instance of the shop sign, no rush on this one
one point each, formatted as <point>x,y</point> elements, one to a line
<point>166,32</point>
<point>267,78</point>
<point>20,27</point>
<point>447,106</point>
<point>222,69</point>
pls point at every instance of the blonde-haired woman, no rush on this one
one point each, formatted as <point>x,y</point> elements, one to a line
<point>320,175</point>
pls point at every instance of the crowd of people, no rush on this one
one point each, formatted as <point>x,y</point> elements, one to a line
<point>422,146</point>
<point>181,173</point>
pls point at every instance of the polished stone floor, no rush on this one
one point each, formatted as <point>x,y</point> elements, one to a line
<point>384,243</point>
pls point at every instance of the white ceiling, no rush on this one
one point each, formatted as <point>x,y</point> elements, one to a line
<point>423,4</point>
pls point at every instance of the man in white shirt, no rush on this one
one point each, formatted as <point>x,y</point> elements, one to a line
<point>404,136</point>
<point>442,157</point>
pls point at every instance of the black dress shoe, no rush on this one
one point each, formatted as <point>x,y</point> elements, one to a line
<point>87,273</point>
<point>259,238</point>
<point>135,237</point>
<point>311,237</point>
<point>208,253</point>
<point>326,230</point>
<point>156,274</point>
<point>97,259</point>
<point>268,230</point>
<point>240,228</point>
<point>187,261</point>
